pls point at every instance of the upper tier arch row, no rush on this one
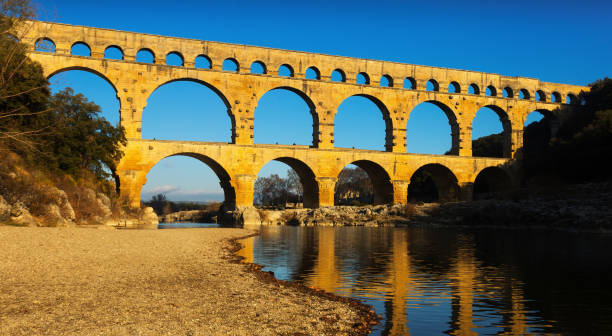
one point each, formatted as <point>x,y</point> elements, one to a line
<point>296,64</point>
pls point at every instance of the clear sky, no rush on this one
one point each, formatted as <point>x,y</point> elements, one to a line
<point>557,41</point>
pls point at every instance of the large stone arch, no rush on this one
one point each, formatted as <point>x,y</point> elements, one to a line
<point>385,115</point>
<point>307,179</point>
<point>307,100</point>
<point>225,180</point>
<point>54,72</point>
<point>231,114</point>
<point>444,179</point>
<point>381,181</point>
<point>452,121</point>
<point>492,180</point>
<point>504,118</point>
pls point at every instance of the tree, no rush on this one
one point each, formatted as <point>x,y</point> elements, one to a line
<point>353,184</point>
<point>158,202</point>
<point>489,146</point>
<point>295,184</point>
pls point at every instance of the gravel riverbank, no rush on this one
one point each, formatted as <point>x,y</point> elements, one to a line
<point>71,281</point>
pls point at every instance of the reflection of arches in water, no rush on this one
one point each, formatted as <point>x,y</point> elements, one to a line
<point>382,188</point>
<point>325,273</point>
<point>229,194</point>
<point>433,182</point>
<point>463,282</point>
<point>491,180</point>
<point>401,283</point>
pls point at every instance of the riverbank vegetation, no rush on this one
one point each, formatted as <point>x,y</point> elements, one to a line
<point>58,153</point>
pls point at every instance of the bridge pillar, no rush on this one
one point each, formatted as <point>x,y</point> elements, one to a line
<point>327,187</point>
<point>325,136</point>
<point>130,185</point>
<point>465,141</point>
<point>243,185</point>
<point>400,191</point>
<point>516,138</point>
<point>398,140</point>
<point>466,191</point>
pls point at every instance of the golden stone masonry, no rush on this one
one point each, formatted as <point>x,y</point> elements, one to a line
<point>237,163</point>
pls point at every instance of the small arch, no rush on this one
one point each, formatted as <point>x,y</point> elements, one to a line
<point>309,184</point>
<point>203,62</point>
<point>555,97</point>
<point>454,87</point>
<point>338,76</point>
<point>145,55</point>
<point>507,92</point>
<point>491,91</point>
<point>473,89</point>
<point>312,73</point>
<point>409,83</point>
<point>433,183</point>
<point>44,44</point>
<point>363,78</point>
<point>230,64</point>
<point>491,180</point>
<point>432,85</point>
<point>113,52</point>
<point>80,49</point>
<point>381,186</point>
<point>524,94</point>
<point>571,99</point>
<point>174,58</point>
<point>540,96</point>
<point>386,81</point>
<point>258,68</point>
<point>285,70</point>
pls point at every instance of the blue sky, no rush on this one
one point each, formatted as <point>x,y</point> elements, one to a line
<point>557,41</point>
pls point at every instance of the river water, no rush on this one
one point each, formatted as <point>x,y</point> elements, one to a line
<point>430,281</point>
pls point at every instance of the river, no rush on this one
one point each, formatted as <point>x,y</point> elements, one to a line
<point>429,281</point>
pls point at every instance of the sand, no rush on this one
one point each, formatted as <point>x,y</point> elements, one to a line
<point>75,281</point>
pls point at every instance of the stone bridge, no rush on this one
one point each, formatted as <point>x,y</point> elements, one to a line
<point>396,88</point>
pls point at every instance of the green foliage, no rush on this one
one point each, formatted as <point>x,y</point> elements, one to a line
<point>580,150</point>
<point>78,139</point>
<point>162,206</point>
<point>489,146</point>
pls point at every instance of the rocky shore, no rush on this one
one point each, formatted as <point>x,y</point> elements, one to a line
<point>68,281</point>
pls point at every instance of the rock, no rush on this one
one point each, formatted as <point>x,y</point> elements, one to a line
<point>149,219</point>
<point>104,204</point>
<point>246,216</point>
<point>21,216</point>
<point>53,217</point>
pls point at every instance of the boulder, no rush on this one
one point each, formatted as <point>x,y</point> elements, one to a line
<point>21,216</point>
<point>5,209</point>
<point>53,217</point>
<point>149,219</point>
<point>246,216</point>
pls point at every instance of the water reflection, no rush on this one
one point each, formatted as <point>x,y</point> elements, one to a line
<point>434,281</point>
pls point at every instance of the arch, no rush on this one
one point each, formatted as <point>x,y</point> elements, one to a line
<point>80,49</point>
<point>386,81</point>
<point>203,62</point>
<point>362,78</point>
<point>230,64</point>
<point>540,96</point>
<point>409,83</point>
<point>44,44</point>
<point>473,89</point>
<point>454,87</point>
<point>452,121</point>
<point>432,85</point>
<point>175,58</point>
<point>433,182</point>
<point>93,71</point>
<point>507,92</point>
<point>524,94</point>
<point>539,126</point>
<point>571,99</point>
<point>258,68</point>
<point>338,75</point>
<point>490,145</point>
<point>145,55</point>
<point>93,85</point>
<point>216,91</point>
<point>312,73</point>
<point>307,179</point>
<point>555,97</point>
<point>113,52</point>
<point>283,100</point>
<point>382,188</point>
<point>229,193</point>
<point>385,115</point>
<point>491,91</point>
<point>491,180</point>
<point>286,70</point>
